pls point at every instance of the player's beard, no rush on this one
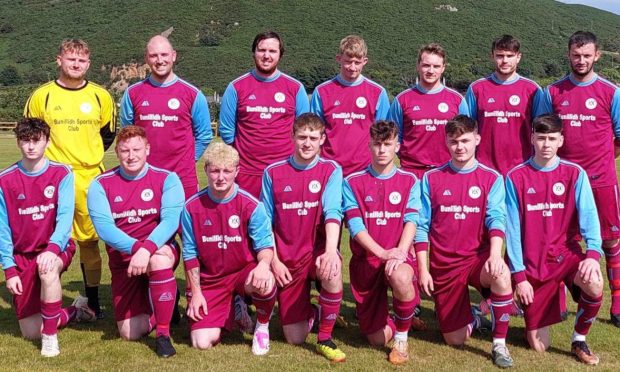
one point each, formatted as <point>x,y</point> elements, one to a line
<point>582,74</point>
<point>266,71</point>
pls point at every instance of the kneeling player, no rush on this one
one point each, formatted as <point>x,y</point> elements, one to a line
<point>136,208</point>
<point>303,196</point>
<point>36,212</point>
<point>381,207</point>
<point>551,205</point>
<point>463,217</point>
<point>227,250</point>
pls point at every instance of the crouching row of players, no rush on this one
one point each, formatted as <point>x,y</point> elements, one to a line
<point>274,249</point>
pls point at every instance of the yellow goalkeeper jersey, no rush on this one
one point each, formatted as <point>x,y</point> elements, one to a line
<point>82,121</point>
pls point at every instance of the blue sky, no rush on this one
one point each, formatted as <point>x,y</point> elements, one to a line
<point>608,5</point>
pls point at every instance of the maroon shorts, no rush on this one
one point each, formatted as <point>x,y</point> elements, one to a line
<point>130,295</point>
<point>29,302</point>
<point>546,309</point>
<point>606,199</point>
<point>219,296</point>
<point>451,294</point>
<point>251,183</point>
<point>369,286</point>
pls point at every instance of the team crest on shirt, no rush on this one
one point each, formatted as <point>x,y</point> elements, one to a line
<point>86,108</point>
<point>591,103</point>
<point>443,107</point>
<point>514,100</point>
<point>395,198</point>
<point>279,97</point>
<point>559,189</point>
<point>234,221</point>
<point>147,195</point>
<point>49,191</point>
<point>314,186</point>
<point>361,102</point>
<point>173,104</point>
<point>474,192</point>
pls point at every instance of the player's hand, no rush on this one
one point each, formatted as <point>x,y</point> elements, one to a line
<point>194,306</point>
<point>46,262</point>
<point>494,266</point>
<point>590,271</point>
<point>139,262</point>
<point>391,266</point>
<point>328,265</point>
<point>426,282</point>
<point>14,285</point>
<point>261,278</point>
<point>280,271</point>
<point>525,293</point>
<point>394,254</point>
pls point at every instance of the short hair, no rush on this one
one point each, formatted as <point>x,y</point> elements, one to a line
<point>310,121</point>
<point>547,123</point>
<point>432,48</point>
<point>31,129</point>
<point>581,38</point>
<point>383,130</point>
<point>268,35</point>
<point>129,132</point>
<point>353,46</point>
<point>461,124</point>
<point>73,46</point>
<point>506,42</point>
<point>219,153</point>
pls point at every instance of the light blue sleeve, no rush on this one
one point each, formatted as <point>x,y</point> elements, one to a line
<point>259,229</point>
<point>64,213</point>
<point>201,124</point>
<point>301,102</point>
<point>463,107</point>
<point>421,233</point>
<point>189,239</point>
<point>228,115</point>
<point>316,105</point>
<point>537,105</point>
<point>472,103</point>
<point>544,103</point>
<point>413,202</point>
<point>172,200</point>
<point>396,115</point>
<point>101,215</point>
<point>383,106</point>
<point>266,196</point>
<point>127,113</point>
<point>615,113</point>
<point>6,239</point>
<point>332,196</point>
<point>589,225</point>
<point>355,224</point>
<point>495,218</point>
<point>514,248</point>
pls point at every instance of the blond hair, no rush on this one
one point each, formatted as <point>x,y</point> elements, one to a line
<point>219,153</point>
<point>353,46</point>
<point>73,46</point>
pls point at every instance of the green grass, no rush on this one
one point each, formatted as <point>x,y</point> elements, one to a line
<point>96,346</point>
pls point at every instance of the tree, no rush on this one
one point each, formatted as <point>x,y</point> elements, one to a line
<point>10,76</point>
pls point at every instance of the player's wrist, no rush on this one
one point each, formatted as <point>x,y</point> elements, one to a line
<point>519,277</point>
<point>595,255</point>
<point>10,272</point>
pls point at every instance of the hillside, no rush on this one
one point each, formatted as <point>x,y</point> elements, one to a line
<point>117,31</point>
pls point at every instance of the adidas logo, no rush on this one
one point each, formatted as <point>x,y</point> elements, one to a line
<point>447,193</point>
<point>331,316</point>
<point>118,199</point>
<point>416,108</point>
<point>21,197</point>
<point>166,297</point>
<point>491,100</point>
<point>145,104</point>
<point>614,228</point>
<point>368,198</point>
<point>504,318</point>
<point>57,108</point>
<point>288,189</point>
<point>337,103</point>
<point>252,97</point>
<point>531,190</point>
<point>208,222</point>
<point>565,103</point>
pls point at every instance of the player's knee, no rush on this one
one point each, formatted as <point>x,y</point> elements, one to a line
<point>31,333</point>
<point>203,343</point>
<point>402,280</point>
<point>160,262</point>
<point>456,339</point>
<point>294,338</point>
<point>537,345</point>
<point>296,333</point>
<point>595,288</point>
<point>49,277</point>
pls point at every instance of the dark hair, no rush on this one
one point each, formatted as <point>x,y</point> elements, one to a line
<point>31,129</point>
<point>131,131</point>
<point>432,48</point>
<point>461,124</point>
<point>581,38</point>
<point>310,121</point>
<point>383,130</point>
<point>268,35</point>
<point>506,42</point>
<point>547,123</point>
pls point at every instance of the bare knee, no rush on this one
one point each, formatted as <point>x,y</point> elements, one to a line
<point>539,339</point>
<point>380,338</point>
<point>204,340</point>
<point>296,334</point>
<point>456,338</point>
<point>30,327</point>
<point>202,344</point>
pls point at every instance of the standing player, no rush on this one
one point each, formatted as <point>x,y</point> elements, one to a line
<point>381,207</point>
<point>504,104</point>
<point>589,107</point>
<point>36,210</point>
<point>550,206</point>
<point>463,217</point>
<point>258,110</point>
<point>348,104</point>
<point>136,209</point>
<point>303,196</point>
<point>82,118</point>
<point>174,113</point>
<point>227,250</point>
<point>422,111</point>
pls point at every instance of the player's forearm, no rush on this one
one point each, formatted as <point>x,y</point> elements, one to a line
<point>265,256</point>
<point>406,238</point>
<point>193,278</point>
<point>496,246</point>
<point>369,244</point>
<point>332,233</point>
<point>422,258</point>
